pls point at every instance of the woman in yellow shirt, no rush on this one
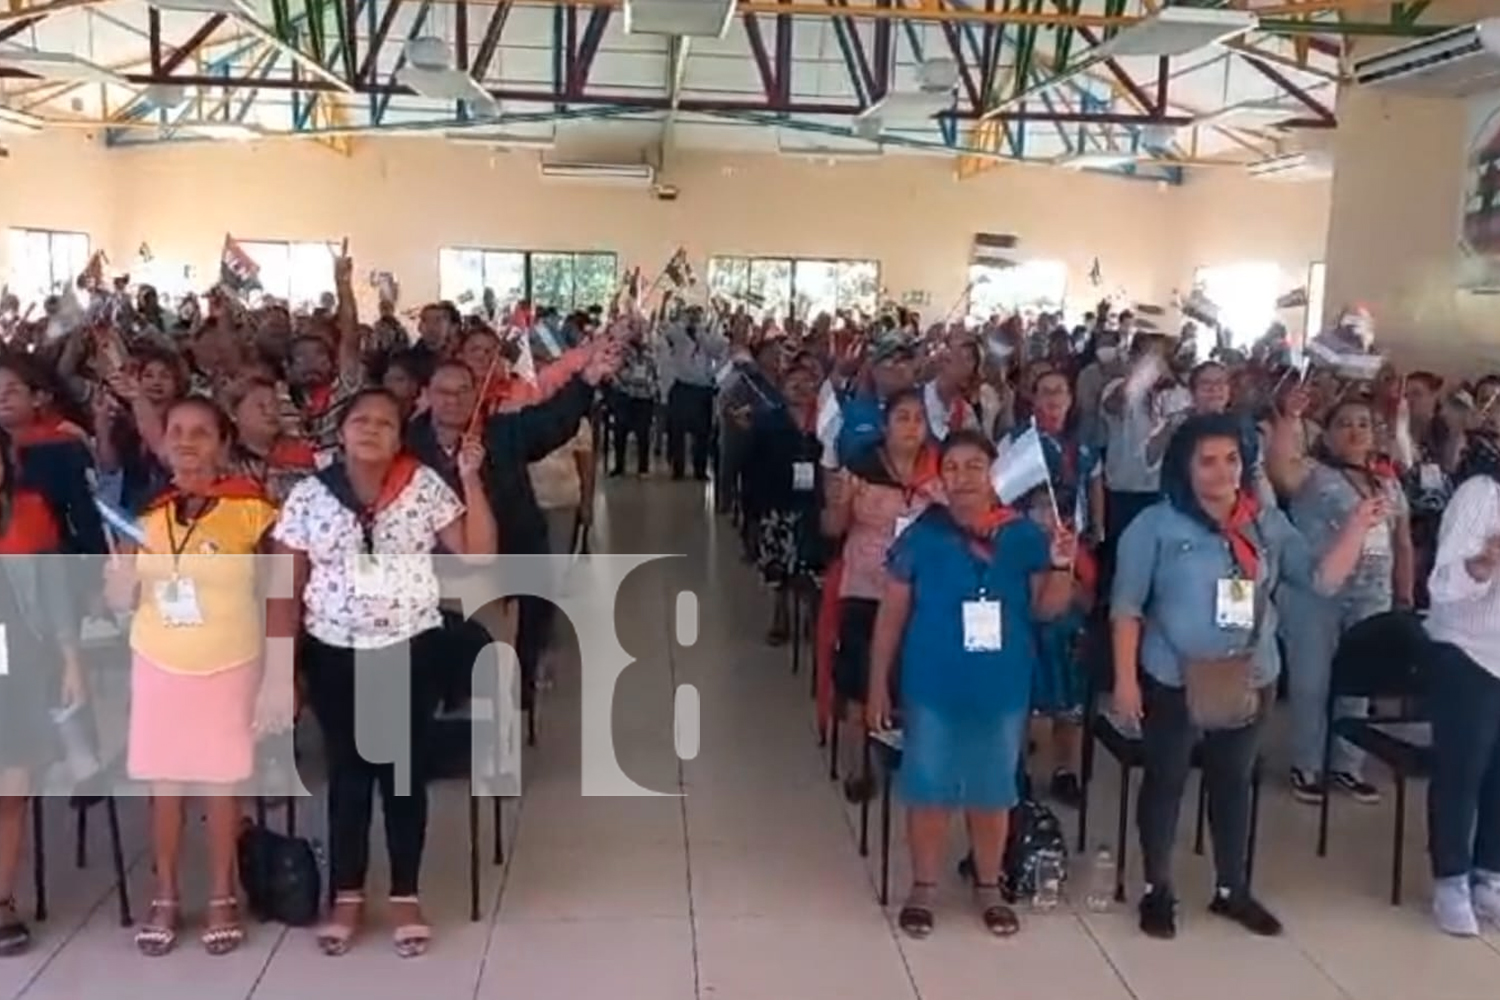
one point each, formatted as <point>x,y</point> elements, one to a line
<point>196,643</point>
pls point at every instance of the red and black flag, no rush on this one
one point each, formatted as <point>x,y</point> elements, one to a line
<point>238,273</point>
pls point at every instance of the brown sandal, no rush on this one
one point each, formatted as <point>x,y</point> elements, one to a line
<point>999,919</point>
<point>334,937</point>
<point>221,939</point>
<point>410,940</point>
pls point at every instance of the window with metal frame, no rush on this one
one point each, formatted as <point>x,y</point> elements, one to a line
<point>1028,286</point>
<point>796,286</point>
<point>561,280</point>
<point>43,262</point>
<point>297,273</point>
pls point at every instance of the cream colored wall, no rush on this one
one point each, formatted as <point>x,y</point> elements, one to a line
<point>1394,223</point>
<point>399,201</point>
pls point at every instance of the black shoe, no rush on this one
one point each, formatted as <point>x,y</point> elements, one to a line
<point>616,473</point>
<point>1306,788</point>
<point>1359,790</point>
<point>1159,915</point>
<point>1067,790</point>
<point>1242,908</point>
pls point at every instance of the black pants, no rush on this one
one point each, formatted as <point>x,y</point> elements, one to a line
<point>397,692</point>
<point>1463,798</point>
<point>690,413</point>
<point>633,416</point>
<point>1229,755</point>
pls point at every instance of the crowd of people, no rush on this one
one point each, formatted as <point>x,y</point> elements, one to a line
<point>1196,528</point>
<point>1192,525</point>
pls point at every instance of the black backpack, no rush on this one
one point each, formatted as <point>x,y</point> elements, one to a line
<point>1036,839</point>
<point>280,875</point>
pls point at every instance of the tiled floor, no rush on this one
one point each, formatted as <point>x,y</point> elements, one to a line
<point>749,887</point>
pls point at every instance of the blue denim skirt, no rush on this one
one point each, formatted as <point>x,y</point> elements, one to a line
<point>956,762</point>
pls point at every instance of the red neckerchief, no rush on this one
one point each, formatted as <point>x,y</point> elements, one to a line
<point>28,527</point>
<point>292,453</point>
<point>397,478</point>
<point>317,399</point>
<point>805,417</point>
<point>223,488</point>
<point>957,413</point>
<point>1241,516</point>
<point>990,522</point>
<point>48,428</point>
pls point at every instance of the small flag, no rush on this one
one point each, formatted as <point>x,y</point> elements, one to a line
<point>1347,364</point>
<point>384,283</point>
<point>1146,373</point>
<point>145,254</point>
<point>1295,299</point>
<point>526,362</point>
<point>92,277</point>
<point>830,423</point>
<point>67,315</point>
<point>544,334</point>
<point>1021,469</point>
<point>124,526</point>
<point>1096,274</point>
<point>1200,307</point>
<point>677,269</point>
<point>1402,444</point>
<point>238,273</point>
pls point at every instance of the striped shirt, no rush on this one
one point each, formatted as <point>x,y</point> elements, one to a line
<point>1466,612</point>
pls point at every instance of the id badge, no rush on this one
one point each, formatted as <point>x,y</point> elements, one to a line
<point>902,523</point>
<point>177,602</point>
<point>1234,607</point>
<point>369,576</point>
<point>982,626</point>
<point>1430,477</point>
<point>802,476</point>
<point>1378,540</point>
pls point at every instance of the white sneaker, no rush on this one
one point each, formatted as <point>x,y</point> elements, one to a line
<point>1486,897</point>
<point>1453,907</point>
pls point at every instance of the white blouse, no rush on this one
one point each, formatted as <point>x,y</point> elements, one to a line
<point>1466,612</point>
<point>348,603</point>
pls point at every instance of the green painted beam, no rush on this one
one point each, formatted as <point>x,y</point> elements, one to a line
<point>1406,14</point>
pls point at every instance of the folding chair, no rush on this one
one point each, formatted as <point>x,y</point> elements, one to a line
<point>1379,659</point>
<point>882,753</point>
<point>81,805</point>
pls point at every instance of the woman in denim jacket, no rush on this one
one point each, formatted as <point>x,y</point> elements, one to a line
<point>1180,595</point>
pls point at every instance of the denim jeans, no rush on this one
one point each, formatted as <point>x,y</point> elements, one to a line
<point>1311,627</point>
<point>1229,756</point>
<point>1463,798</point>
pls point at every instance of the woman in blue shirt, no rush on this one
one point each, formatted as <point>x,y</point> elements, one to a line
<point>1193,609</point>
<point>967,581</point>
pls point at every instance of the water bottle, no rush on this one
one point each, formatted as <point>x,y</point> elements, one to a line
<point>1048,882</point>
<point>1101,881</point>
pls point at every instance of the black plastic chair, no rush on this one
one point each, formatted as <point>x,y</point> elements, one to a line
<point>81,805</point>
<point>882,757</point>
<point>1380,658</point>
<point>1129,753</point>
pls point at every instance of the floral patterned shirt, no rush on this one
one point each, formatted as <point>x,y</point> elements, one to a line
<point>396,601</point>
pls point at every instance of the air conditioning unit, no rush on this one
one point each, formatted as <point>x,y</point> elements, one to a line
<point>1455,63</point>
<point>686,18</point>
<point>624,174</point>
<point>1308,166</point>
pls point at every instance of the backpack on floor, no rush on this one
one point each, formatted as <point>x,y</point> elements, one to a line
<point>1036,846</point>
<point>280,875</point>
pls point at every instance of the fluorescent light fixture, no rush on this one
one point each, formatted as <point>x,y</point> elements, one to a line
<point>1095,161</point>
<point>688,18</point>
<point>1309,166</point>
<point>239,8</point>
<point>12,120</point>
<point>1176,31</point>
<point>448,85</point>
<point>1247,114</point>
<point>63,66</point>
<point>228,131</point>
<point>631,174</point>
<point>504,140</point>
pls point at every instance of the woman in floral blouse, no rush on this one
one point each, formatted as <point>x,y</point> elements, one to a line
<point>361,534</point>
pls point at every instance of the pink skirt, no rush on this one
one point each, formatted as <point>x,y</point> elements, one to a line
<point>192,728</point>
